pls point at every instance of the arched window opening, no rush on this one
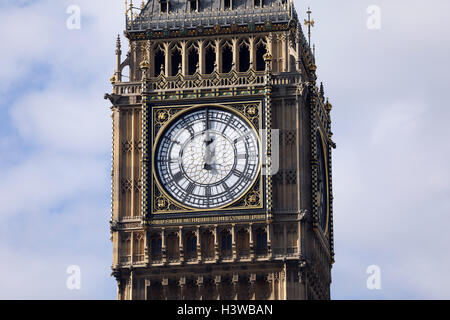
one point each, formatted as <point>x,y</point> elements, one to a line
<point>244,57</point>
<point>292,62</point>
<point>193,5</point>
<point>160,60</point>
<point>227,4</point>
<point>139,248</point>
<point>125,73</point>
<point>126,249</point>
<point>225,244</point>
<point>227,58</point>
<point>207,245</point>
<point>243,243</point>
<point>192,60</point>
<point>173,251</point>
<point>261,241</point>
<point>164,6</point>
<point>260,52</point>
<point>155,247</point>
<point>257,3</point>
<point>176,61</point>
<point>155,291</point>
<point>191,246</point>
<point>210,59</point>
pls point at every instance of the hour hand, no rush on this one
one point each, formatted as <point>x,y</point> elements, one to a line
<point>209,152</point>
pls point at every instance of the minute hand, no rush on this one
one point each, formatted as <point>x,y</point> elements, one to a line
<point>209,143</point>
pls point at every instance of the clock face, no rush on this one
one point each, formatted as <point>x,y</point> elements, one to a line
<point>322,184</point>
<point>207,158</point>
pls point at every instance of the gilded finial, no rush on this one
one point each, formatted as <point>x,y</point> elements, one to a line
<point>145,64</point>
<point>118,44</point>
<point>322,91</point>
<point>267,57</point>
<point>309,23</point>
<point>328,106</point>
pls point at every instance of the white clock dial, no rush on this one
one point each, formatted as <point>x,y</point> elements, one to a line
<point>207,158</point>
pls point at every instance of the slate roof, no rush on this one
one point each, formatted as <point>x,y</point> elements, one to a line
<point>210,13</point>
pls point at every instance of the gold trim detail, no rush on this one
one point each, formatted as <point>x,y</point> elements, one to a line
<point>162,117</point>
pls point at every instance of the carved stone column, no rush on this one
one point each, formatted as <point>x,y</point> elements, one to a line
<point>165,288</point>
<point>216,242</point>
<point>285,49</point>
<point>184,59</point>
<point>163,246</point>
<point>251,48</point>
<point>146,247</point>
<point>299,54</point>
<point>132,248</point>
<point>182,286</point>
<point>269,240</point>
<point>167,59</point>
<point>200,287</point>
<point>235,285</point>
<point>234,43</point>
<point>218,56</point>
<point>217,282</point>
<point>201,56</point>
<point>271,283</point>
<point>147,288</point>
<point>180,245</point>
<point>270,49</point>
<point>252,286</point>
<point>199,249</point>
<point>252,244</point>
<point>233,239</point>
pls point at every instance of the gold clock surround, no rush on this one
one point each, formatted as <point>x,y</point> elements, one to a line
<point>163,117</point>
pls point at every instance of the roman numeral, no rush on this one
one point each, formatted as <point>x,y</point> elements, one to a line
<point>178,176</point>
<point>189,191</point>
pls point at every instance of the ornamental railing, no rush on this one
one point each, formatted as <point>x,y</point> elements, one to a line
<point>279,13</point>
<point>197,81</point>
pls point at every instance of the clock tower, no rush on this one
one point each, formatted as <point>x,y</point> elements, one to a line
<point>221,157</point>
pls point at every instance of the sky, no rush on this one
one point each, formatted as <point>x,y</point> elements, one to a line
<point>389,88</point>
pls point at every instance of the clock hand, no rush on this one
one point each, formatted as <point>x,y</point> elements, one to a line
<point>209,152</point>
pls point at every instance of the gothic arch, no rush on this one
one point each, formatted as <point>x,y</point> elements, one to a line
<point>244,55</point>
<point>192,58</point>
<point>226,55</point>
<point>176,60</point>
<point>159,58</point>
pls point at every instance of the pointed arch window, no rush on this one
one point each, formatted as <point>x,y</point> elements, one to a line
<point>227,57</point>
<point>244,56</point>
<point>164,6</point>
<point>176,60</point>
<point>210,58</point>
<point>193,5</point>
<point>193,59</point>
<point>260,52</point>
<point>160,60</point>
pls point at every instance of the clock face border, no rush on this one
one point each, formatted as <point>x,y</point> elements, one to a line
<point>164,116</point>
<point>327,186</point>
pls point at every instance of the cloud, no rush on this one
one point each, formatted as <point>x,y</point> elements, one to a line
<point>55,149</point>
<point>389,92</point>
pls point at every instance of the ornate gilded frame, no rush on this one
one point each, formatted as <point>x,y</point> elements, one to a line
<point>161,117</point>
